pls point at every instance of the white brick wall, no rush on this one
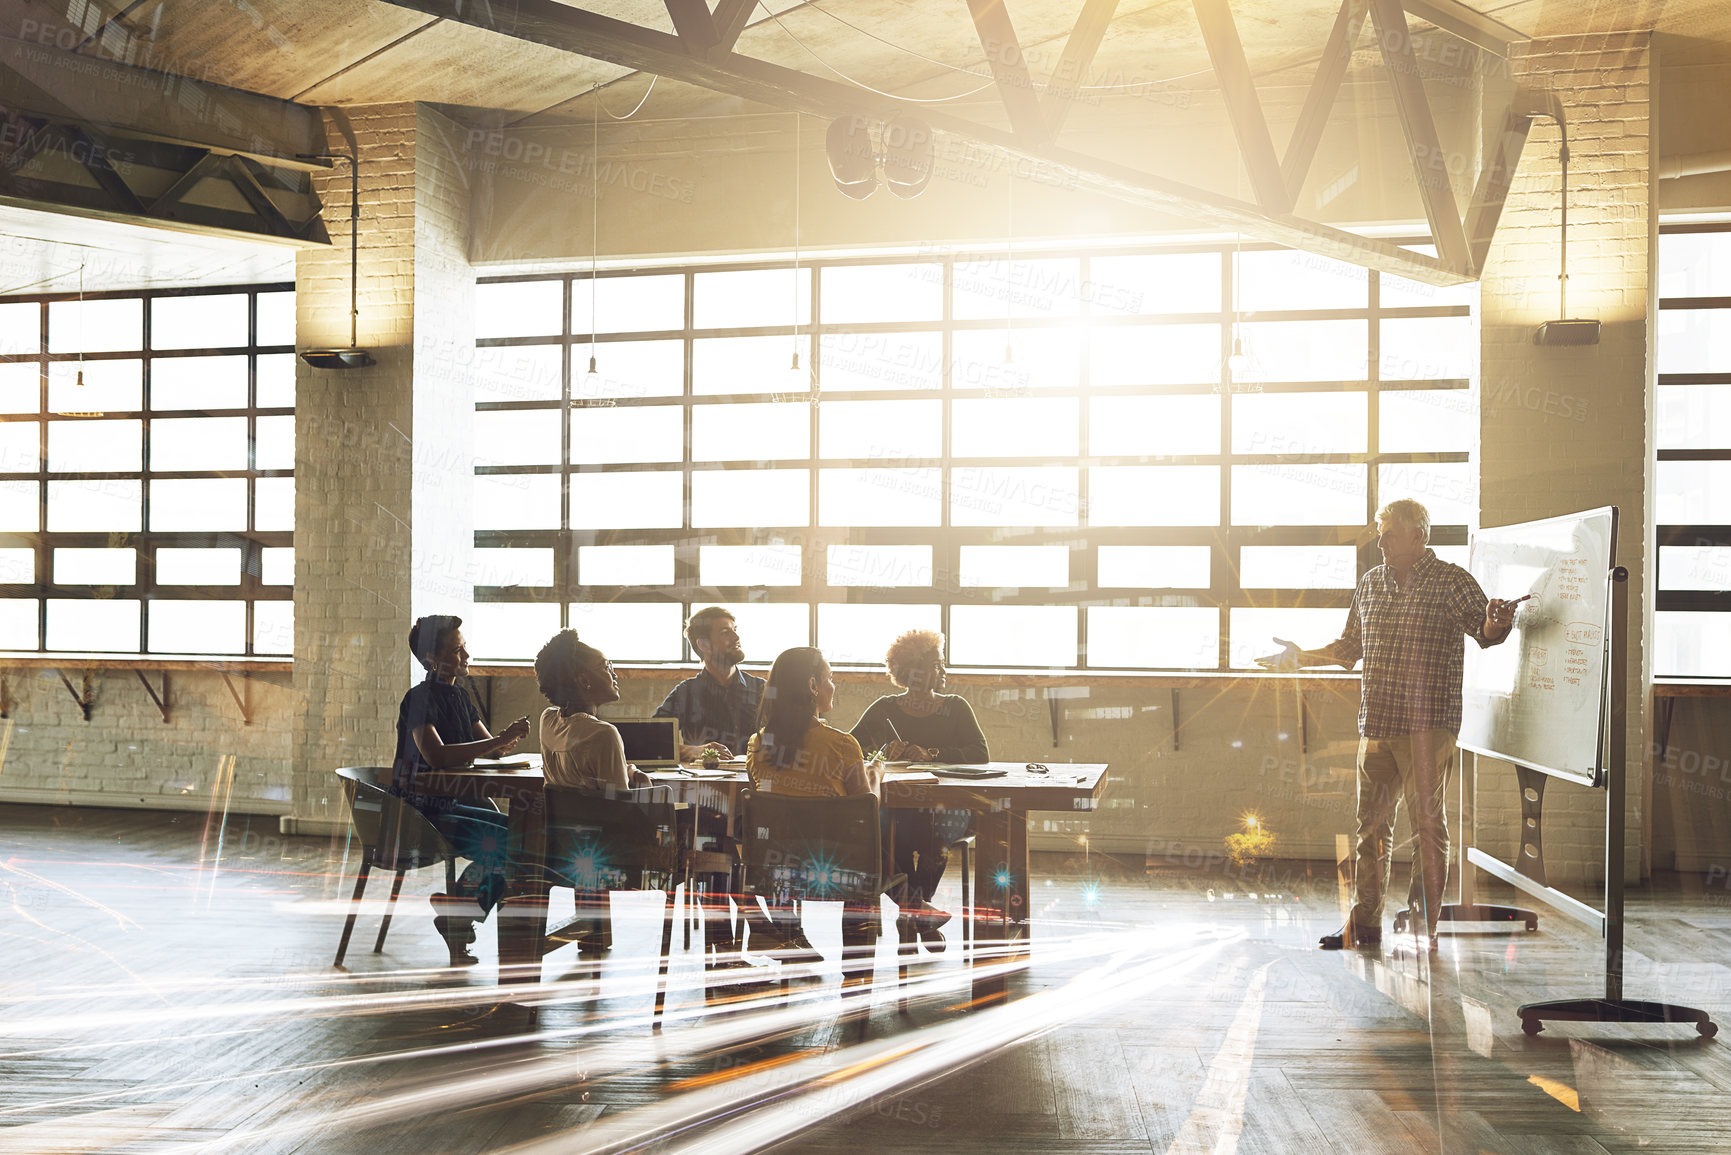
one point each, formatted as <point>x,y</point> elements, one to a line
<point>1535,462</point>
<point>127,756</point>
<point>364,438</point>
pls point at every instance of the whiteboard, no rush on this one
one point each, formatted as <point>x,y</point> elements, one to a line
<point>1538,699</point>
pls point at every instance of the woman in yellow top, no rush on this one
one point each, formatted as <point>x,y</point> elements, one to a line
<point>794,752</point>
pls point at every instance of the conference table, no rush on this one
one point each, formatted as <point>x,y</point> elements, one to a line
<point>1003,807</point>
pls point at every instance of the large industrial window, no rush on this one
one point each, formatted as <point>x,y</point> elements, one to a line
<point>1143,458</point>
<point>1692,489</point>
<point>147,472</point>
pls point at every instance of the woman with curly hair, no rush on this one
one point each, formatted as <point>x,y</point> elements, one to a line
<point>922,724</point>
<point>581,752</point>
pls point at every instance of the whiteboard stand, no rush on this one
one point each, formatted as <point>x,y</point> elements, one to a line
<point>1530,875</point>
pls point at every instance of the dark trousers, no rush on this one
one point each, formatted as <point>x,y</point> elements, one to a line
<point>480,834</point>
<point>921,840</point>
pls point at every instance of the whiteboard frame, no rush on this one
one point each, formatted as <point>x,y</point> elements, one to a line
<point>1596,776</point>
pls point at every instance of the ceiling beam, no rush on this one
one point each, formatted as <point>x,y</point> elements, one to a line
<point>1471,25</point>
<point>731,17</point>
<point>146,105</point>
<point>1319,101</point>
<point>1429,164</point>
<point>1009,68</point>
<point>1492,190</point>
<point>1079,49</point>
<point>1243,108</point>
<point>691,19</point>
<point>555,25</point>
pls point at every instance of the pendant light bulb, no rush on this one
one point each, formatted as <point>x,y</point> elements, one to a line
<point>592,379</point>
<point>1239,361</point>
<point>798,380</point>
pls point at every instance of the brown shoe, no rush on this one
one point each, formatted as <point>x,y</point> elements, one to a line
<point>1351,937</point>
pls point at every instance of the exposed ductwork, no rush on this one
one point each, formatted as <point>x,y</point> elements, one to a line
<point>1694,164</point>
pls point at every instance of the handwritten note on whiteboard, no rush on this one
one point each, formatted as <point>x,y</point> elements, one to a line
<point>1538,698</point>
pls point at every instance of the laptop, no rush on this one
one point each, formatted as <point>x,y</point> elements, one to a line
<point>651,743</point>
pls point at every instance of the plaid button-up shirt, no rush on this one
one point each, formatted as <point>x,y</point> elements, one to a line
<point>1411,640</point>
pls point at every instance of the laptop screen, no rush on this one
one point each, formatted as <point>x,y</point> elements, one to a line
<point>651,740</point>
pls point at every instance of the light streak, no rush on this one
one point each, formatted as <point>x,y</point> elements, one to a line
<point>120,919</point>
<point>706,1033</point>
<point>1217,1119</point>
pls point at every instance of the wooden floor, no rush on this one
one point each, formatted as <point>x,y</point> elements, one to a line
<point>167,988</point>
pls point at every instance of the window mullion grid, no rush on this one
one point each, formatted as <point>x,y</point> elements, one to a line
<point>1084,375</point>
<point>686,558</point>
<point>44,552</point>
<point>809,567</point>
<point>1228,553</point>
<point>1373,410</point>
<point>565,567</point>
<point>814,586</point>
<point>251,555</point>
<point>946,552</point>
<point>145,555</point>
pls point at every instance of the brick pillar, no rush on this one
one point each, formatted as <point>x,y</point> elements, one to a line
<point>1564,429</point>
<point>383,455</point>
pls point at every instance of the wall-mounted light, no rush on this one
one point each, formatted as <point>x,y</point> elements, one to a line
<point>1566,330</point>
<point>352,357</point>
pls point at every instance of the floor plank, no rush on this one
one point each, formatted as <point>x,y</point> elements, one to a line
<point>159,997</point>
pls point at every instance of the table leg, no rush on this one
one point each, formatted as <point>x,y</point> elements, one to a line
<point>523,914</point>
<point>1000,895</point>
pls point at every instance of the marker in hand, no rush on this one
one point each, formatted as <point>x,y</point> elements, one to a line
<point>1503,613</point>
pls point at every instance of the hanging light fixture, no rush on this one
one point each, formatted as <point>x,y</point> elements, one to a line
<point>1009,265</point>
<point>1238,361</point>
<point>798,379</point>
<point>592,379</point>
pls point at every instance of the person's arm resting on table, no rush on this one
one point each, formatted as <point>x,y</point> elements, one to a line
<point>441,755</point>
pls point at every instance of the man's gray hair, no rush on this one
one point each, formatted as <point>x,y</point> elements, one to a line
<point>1409,513</point>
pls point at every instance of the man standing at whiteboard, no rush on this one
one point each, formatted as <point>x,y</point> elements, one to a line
<point>1408,621</point>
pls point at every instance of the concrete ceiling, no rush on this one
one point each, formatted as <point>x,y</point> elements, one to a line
<point>342,52</point>
<point>354,52</point>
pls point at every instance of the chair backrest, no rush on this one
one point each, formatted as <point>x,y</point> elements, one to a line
<point>819,848</point>
<point>393,834</point>
<point>610,841</point>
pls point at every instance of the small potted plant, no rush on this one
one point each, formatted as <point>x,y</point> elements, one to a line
<point>711,758</point>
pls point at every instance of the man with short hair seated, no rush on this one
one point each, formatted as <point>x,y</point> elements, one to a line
<point>718,707</point>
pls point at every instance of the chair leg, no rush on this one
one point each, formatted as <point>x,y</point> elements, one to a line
<point>354,912</point>
<point>669,914</point>
<point>905,937</point>
<point>390,908</point>
<point>968,943</point>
